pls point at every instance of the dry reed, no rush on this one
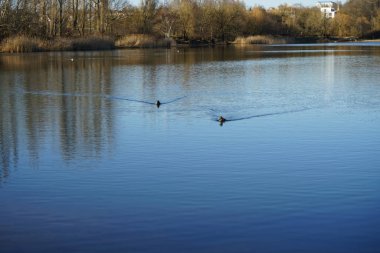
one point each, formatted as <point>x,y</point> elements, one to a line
<point>143,41</point>
<point>24,44</point>
<point>21,43</point>
<point>259,39</point>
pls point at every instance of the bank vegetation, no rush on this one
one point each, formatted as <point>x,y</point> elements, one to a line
<point>38,25</point>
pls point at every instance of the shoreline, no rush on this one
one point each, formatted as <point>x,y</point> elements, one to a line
<point>29,45</point>
<point>372,40</point>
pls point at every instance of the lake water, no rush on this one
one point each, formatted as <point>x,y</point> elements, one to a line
<point>88,163</point>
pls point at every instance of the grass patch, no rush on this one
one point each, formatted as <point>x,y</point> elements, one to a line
<point>259,39</point>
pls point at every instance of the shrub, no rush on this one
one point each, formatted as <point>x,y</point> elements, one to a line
<point>166,42</point>
<point>137,40</point>
<point>93,43</point>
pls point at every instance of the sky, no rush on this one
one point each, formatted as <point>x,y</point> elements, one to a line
<point>275,3</point>
<point>266,3</point>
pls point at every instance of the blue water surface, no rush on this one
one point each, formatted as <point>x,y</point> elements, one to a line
<point>89,163</point>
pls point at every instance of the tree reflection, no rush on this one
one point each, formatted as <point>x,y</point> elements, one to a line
<point>71,106</point>
<point>80,124</point>
<point>10,120</point>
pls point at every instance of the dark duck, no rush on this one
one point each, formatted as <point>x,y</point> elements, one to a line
<point>221,120</point>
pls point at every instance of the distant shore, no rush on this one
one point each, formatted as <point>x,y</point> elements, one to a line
<point>24,44</point>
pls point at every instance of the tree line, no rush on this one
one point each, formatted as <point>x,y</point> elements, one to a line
<point>221,20</point>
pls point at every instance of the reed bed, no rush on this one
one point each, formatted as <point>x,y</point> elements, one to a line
<point>259,39</point>
<point>20,44</point>
<point>25,44</point>
<point>144,41</point>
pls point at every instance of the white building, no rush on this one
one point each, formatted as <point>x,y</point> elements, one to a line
<point>328,8</point>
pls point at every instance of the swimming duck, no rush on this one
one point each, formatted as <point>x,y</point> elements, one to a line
<point>221,119</point>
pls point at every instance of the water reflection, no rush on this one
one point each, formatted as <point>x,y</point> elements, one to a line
<point>91,164</point>
<point>187,56</point>
<point>9,132</point>
<point>81,125</point>
<point>49,99</point>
